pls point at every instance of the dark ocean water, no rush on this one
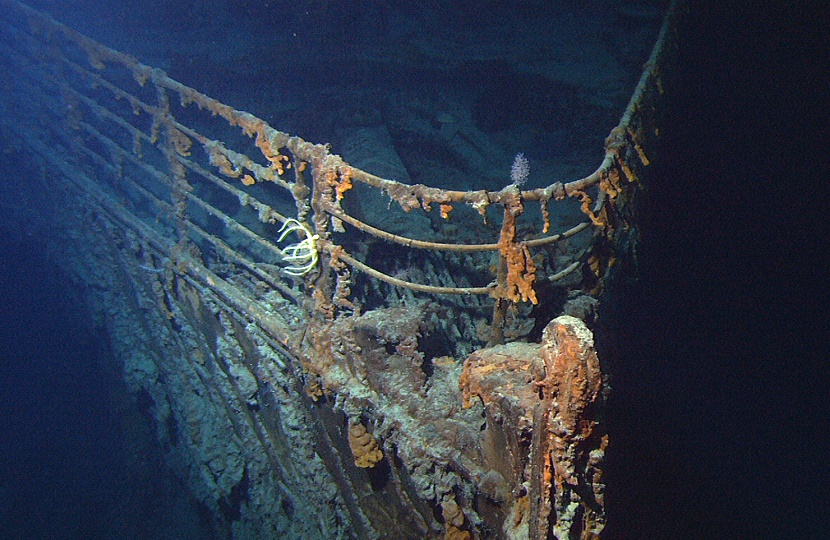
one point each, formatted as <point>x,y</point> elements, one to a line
<point>61,453</point>
<point>77,457</point>
<point>719,412</point>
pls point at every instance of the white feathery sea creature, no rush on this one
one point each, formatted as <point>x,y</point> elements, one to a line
<point>520,170</point>
<point>302,256</point>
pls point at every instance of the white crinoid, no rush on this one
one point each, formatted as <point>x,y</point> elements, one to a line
<point>302,256</point>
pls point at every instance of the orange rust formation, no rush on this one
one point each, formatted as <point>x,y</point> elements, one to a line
<point>340,180</point>
<point>364,447</point>
<point>521,271</point>
<point>445,210</point>
<point>453,521</point>
<point>553,394</point>
<point>219,160</point>
<point>181,143</point>
<point>570,380</point>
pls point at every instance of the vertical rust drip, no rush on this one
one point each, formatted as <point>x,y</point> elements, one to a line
<point>500,308</point>
<point>300,191</point>
<point>540,473</point>
<point>516,272</point>
<point>174,145</point>
<point>553,396</point>
<point>572,435</point>
<point>322,195</point>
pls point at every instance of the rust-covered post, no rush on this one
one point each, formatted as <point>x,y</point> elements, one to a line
<point>552,395</point>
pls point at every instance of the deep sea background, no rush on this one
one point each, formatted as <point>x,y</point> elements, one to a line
<point>719,412</point>
<point>719,409</point>
<point>77,458</point>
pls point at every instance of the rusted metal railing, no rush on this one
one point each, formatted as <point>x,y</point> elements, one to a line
<point>145,133</point>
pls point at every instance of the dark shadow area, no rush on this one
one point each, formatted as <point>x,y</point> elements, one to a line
<point>717,417</point>
<point>77,459</point>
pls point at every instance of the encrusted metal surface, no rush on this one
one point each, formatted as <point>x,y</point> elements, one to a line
<point>303,386</point>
